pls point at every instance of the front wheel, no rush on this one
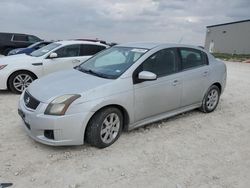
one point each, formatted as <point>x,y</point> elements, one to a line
<point>104,127</point>
<point>211,99</point>
<point>20,80</point>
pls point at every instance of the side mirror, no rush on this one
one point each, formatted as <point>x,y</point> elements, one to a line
<point>53,55</point>
<point>146,75</point>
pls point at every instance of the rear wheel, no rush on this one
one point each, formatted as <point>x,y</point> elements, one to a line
<point>20,80</point>
<point>211,99</point>
<point>104,127</point>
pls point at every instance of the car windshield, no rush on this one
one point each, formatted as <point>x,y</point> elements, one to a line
<point>111,63</point>
<point>33,45</point>
<point>42,51</point>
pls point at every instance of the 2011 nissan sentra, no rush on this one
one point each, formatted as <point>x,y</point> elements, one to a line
<point>121,88</point>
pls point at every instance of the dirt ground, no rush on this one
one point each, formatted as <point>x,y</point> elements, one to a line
<point>189,150</point>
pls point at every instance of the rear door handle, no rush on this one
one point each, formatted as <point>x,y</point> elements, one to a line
<point>175,82</point>
<point>76,61</point>
<point>205,73</point>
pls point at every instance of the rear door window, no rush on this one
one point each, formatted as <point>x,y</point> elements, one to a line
<point>5,36</point>
<point>68,51</point>
<point>22,38</point>
<point>88,49</point>
<point>191,58</point>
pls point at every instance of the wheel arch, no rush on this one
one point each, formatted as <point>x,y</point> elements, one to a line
<point>218,85</point>
<point>20,70</point>
<point>126,118</point>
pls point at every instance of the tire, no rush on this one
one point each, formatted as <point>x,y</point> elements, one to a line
<point>211,99</point>
<point>6,51</point>
<point>101,135</point>
<point>20,80</point>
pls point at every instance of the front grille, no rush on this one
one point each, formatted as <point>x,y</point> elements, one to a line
<point>30,101</point>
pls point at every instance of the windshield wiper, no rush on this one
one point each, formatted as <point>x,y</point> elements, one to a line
<point>89,71</point>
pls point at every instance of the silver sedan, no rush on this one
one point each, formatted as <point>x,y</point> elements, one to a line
<point>121,88</point>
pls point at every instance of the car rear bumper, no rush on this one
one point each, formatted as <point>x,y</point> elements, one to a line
<point>53,130</point>
<point>3,80</point>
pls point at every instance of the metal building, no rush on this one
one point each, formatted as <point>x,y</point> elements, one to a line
<point>231,38</point>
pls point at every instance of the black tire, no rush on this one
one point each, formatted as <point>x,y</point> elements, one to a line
<point>6,51</point>
<point>208,108</point>
<point>96,124</point>
<point>13,77</point>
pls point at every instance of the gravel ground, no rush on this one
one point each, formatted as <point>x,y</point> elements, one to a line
<point>189,150</point>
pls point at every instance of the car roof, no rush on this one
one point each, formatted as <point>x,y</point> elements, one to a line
<point>67,42</point>
<point>14,33</point>
<point>146,45</point>
<point>151,45</point>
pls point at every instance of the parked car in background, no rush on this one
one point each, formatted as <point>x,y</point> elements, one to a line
<point>30,48</point>
<point>18,71</point>
<point>121,88</point>
<point>98,40</point>
<point>93,40</point>
<point>10,41</point>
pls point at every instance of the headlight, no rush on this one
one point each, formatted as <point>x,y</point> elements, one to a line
<point>2,66</point>
<point>60,105</point>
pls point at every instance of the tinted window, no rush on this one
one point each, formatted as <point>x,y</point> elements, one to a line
<point>33,39</point>
<point>68,51</point>
<point>161,63</point>
<point>87,50</point>
<point>192,58</point>
<point>20,38</point>
<point>5,36</point>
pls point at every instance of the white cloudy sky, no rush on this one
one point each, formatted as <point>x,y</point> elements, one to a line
<point>120,20</point>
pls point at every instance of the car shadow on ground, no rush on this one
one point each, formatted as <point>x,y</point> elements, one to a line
<point>6,92</point>
<point>146,129</point>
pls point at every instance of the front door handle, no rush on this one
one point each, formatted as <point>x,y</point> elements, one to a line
<point>175,82</point>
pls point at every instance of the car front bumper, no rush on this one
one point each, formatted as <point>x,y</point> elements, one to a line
<point>66,129</point>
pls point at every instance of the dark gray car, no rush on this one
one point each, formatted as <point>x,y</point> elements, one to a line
<point>10,41</point>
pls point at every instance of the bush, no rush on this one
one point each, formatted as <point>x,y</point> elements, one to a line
<point>232,57</point>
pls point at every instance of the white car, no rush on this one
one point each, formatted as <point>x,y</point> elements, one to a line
<point>18,71</point>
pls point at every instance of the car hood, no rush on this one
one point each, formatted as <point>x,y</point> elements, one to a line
<point>64,82</point>
<point>20,58</point>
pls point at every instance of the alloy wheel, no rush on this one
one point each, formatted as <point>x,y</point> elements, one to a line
<point>22,81</point>
<point>212,99</point>
<point>110,128</point>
